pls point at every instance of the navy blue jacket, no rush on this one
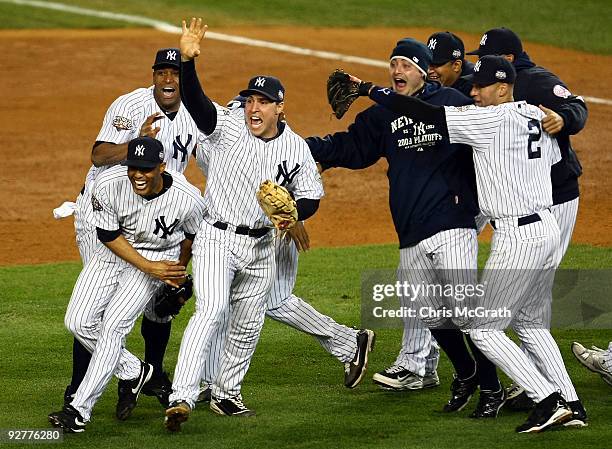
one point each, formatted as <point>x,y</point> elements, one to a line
<point>432,185</point>
<point>538,86</point>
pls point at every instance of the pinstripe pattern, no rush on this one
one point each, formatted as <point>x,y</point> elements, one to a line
<point>110,294</point>
<point>233,273</point>
<point>512,158</point>
<point>510,184</point>
<point>135,106</point>
<point>565,214</point>
<point>283,306</point>
<point>448,257</point>
<point>608,356</point>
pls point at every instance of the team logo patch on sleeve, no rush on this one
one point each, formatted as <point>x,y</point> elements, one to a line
<point>561,91</point>
<point>122,123</point>
<point>95,204</point>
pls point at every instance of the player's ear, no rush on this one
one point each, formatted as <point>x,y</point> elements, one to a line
<point>457,65</point>
<point>280,107</point>
<point>162,167</point>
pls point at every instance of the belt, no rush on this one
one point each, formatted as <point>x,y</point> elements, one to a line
<point>242,230</point>
<point>522,221</point>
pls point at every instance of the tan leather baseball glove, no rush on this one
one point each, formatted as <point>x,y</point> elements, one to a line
<point>278,205</point>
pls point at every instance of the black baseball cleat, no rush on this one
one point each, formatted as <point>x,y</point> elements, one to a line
<point>462,391</point>
<point>68,419</point>
<point>177,413</point>
<point>489,404</point>
<point>230,407</point>
<point>579,415</point>
<point>69,393</point>
<point>520,403</point>
<point>129,390</point>
<point>355,369</point>
<point>205,394</point>
<point>548,412</point>
<point>160,387</point>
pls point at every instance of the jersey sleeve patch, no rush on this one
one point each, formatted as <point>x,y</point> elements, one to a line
<point>561,91</point>
<point>122,123</point>
<point>95,204</point>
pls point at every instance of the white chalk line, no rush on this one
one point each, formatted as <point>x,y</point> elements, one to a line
<point>169,28</point>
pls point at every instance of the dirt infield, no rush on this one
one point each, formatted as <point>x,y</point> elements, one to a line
<point>60,83</point>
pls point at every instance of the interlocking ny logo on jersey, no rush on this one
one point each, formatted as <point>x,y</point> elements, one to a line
<point>160,225</point>
<point>286,174</point>
<point>178,146</point>
<point>171,55</point>
<point>259,82</point>
<point>139,151</point>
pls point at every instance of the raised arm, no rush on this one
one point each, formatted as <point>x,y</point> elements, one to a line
<point>201,109</point>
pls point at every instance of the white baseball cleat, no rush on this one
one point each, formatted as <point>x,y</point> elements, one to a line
<point>594,360</point>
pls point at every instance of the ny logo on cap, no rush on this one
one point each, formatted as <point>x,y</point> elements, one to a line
<point>456,53</point>
<point>171,55</point>
<point>259,82</point>
<point>483,41</point>
<point>432,44</point>
<point>280,94</point>
<point>139,151</point>
<point>477,66</point>
<point>500,75</point>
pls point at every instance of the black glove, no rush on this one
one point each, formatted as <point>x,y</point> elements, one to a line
<point>342,92</point>
<point>170,300</point>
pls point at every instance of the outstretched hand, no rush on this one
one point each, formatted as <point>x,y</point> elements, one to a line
<point>191,38</point>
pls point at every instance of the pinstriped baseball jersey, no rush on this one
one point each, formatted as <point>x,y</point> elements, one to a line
<point>239,162</point>
<point>153,227</point>
<point>127,113</point>
<point>512,156</point>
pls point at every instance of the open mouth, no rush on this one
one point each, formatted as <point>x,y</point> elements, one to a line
<point>140,185</point>
<point>399,83</point>
<point>434,76</point>
<point>256,122</point>
<point>168,92</point>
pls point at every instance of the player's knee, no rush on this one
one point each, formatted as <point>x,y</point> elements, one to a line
<point>481,336</point>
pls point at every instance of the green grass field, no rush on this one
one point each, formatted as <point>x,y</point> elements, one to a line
<point>583,25</point>
<point>295,387</point>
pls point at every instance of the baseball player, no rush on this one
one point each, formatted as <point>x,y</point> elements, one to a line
<point>348,345</point>
<point>512,158</point>
<point>233,263</point>
<point>146,218</point>
<point>156,112</point>
<point>449,66</point>
<point>595,359</point>
<point>433,205</point>
<point>566,115</point>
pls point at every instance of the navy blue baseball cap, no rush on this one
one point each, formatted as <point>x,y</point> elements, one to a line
<point>445,46</point>
<point>268,86</point>
<point>499,41</point>
<point>491,69</point>
<point>144,152</point>
<point>167,57</point>
<point>413,51</point>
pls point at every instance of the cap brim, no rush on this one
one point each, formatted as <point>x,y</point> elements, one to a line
<point>470,78</point>
<point>248,92</point>
<point>441,61</point>
<point>165,64</point>
<point>474,52</point>
<point>140,164</point>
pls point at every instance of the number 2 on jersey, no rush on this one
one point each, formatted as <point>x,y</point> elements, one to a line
<point>535,133</point>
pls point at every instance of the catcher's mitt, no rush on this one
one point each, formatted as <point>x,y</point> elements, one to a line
<point>342,91</point>
<point>170,300</point>
<point>277,204</point>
